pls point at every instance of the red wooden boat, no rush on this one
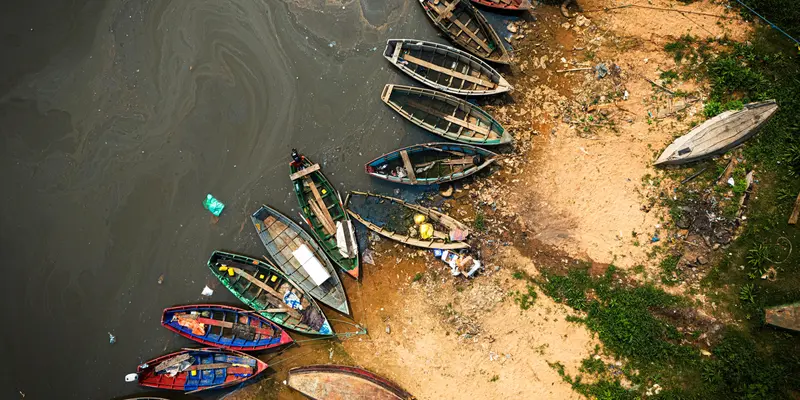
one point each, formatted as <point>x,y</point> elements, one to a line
<point>194,370</point>
<point>510,5</point>
<point>338,382</point>
<point>224,326</point>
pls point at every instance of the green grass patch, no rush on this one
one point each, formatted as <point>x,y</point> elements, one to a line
<point>527,299</point>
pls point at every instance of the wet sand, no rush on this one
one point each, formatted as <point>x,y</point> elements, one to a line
<point>118,117</point>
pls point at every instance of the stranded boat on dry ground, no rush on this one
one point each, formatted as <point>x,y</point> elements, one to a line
<point>337,382</point>
<point>445,68</point>
<point>718,134</point>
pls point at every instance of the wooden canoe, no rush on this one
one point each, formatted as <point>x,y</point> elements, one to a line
<point>225,327</point>
<point>263,287</point>
<point>202,369</point>
<point>440,241</point>
<point>338,382</point>
<point>507,5</point>
<point>426,164</point>
<point>282,238</point>
<point>316,196</point>
<point>445,68</point>
<point>468,28</point>
<point>718,134</point>
<point>445,115</point>
<point>786,316</point>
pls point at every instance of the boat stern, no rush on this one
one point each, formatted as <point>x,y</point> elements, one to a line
<point>391,48</point>
<point>386,93</point>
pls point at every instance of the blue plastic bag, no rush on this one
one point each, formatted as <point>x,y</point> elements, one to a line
<point>213,205</point>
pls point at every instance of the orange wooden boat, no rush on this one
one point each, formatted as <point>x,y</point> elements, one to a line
<point>338,382</point>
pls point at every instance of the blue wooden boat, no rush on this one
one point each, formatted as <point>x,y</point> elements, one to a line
<point>224,326</point>
<point>430,163</point>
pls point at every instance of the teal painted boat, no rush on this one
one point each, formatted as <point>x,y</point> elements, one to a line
<point>322,210</point>
<point>430,163</point>
<point>445,115</point>
<point>264,288</point>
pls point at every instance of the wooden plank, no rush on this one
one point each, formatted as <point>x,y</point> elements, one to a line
<point>448,10</point>
<point>229,325</point>
<point>472,34</point>
<point>446,71</point>
<point>321,210</point>
<point>269,290</point>
<point>450,118</point>
<point>409,166</point>
<point>303,172</point>
<point>795,212</point>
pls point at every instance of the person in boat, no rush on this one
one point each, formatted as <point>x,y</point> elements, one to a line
<point>298,160</point>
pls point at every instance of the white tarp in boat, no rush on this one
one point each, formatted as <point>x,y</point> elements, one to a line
<point>311,265</point>
<point>346,239</point>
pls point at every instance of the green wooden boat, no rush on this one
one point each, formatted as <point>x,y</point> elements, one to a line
<point>322,210</point>
<point>307,266</point>
<point>263,287</point>
<point>445,115</point>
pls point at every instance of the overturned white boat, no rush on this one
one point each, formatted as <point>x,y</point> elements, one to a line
<point>718,134</point>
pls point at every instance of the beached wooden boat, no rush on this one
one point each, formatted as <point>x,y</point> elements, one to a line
<point>451,233</point>
<point>507,5</point>
<point>426,164</point>
<point>194,370</point>
<point>264,288</point>
<point>445,115</point>
<point>786,316</point>
<point>323,212</point>
<point>225,327</point>
<point>468,28</point>
<point>445,68</point>
<point>299,256</point>
<point>338,382</point>
<point>718,134</point>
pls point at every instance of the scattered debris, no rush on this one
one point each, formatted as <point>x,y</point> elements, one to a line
<point>446,190</point>
<point>368,257</point>
<point>601,70</point>
<point>207,291</point>
<point>111,338</point>
<point>512,28</point>
<point>161,279</point>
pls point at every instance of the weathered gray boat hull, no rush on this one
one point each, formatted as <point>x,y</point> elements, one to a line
<point>445,68</point>
<point>719,134</point>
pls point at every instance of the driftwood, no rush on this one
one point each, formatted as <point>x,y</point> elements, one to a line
<point>795,211</point>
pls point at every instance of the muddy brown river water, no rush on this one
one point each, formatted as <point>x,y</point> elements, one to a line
<point>117,117</point>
